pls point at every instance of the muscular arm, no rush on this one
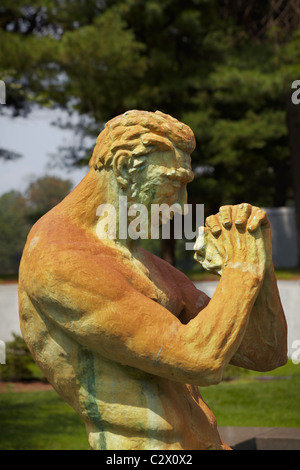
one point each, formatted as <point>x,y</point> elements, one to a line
<point>264,346</point>
<point>101,310</point>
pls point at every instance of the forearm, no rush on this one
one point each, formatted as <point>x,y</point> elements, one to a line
<point>221,326</point>
<point>264,344</point>
<point>140,333</point>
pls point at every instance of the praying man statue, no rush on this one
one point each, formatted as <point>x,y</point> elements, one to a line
<point>124,337</point>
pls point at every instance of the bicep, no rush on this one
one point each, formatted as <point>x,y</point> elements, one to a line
<point>101,310</point>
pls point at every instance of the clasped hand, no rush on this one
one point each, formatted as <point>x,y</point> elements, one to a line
<point>239,237</point>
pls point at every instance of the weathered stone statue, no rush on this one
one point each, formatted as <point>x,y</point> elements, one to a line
<point>124,337</point>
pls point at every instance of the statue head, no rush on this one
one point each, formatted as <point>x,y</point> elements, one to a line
<point>147,153</point>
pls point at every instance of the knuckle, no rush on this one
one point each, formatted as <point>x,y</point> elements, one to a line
<point>262,213</point>
<point>244,207</point>
<point>257,210</point>
<point>211,221</point>
<point>224,208</point>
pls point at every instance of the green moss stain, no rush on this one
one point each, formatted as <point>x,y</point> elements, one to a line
<point>87,382</point>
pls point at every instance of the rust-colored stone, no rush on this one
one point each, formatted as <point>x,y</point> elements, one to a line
<point>124,337</point>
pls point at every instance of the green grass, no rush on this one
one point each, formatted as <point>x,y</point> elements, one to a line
<point>198,274</point>
<point>288,274</point>
<point>43,421</point>
<point>252,402</point>
<point>39,421</point>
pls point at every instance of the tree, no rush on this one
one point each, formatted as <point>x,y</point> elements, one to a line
<point>274,27</point>
<point>225,68</point>
<point>106,60</point>
<point>43,194</point>
<point>14,230</point>
<point>70,54</point>
<point>20,365</point>
<point>65,53</point>
<point>19,211</point>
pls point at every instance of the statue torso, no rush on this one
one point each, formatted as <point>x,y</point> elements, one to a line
<point>123,407</point>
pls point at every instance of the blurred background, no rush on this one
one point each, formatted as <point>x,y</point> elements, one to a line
<point>229,69</point>
<point>225,68</point>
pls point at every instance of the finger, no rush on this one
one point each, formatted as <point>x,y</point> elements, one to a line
<point>258,219</point>
<point>225,216</point>
<point>213,224</point>
<point>243,213</point>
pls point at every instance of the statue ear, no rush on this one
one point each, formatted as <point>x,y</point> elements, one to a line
<point>121,165</point>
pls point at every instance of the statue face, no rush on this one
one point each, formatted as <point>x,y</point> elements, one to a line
<point>158,189</point>
<point>165,178</point>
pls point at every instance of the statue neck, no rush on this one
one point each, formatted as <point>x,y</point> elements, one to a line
<point>83,203</point>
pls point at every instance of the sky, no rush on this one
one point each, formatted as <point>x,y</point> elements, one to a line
<point>36,139</point>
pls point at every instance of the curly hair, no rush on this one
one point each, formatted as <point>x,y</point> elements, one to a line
<point>139,133</point>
